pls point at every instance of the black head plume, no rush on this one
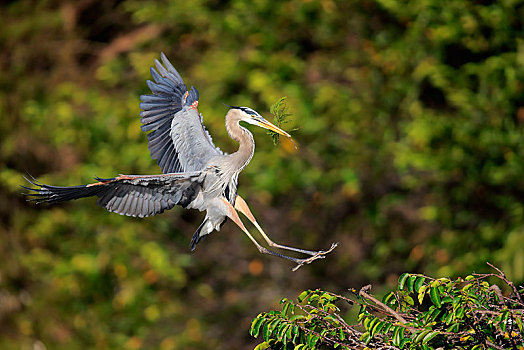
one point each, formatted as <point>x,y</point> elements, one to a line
<point>225,104</point>
<point>246,110</point>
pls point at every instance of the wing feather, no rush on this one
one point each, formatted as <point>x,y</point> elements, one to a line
<point>131,195</point>
<point>178,140</point>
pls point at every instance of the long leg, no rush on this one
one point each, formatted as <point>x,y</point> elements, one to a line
<point>241,206</point>
<point>233,215</point>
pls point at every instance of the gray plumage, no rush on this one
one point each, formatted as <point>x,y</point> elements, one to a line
<point>178,140</point>
<point>196,174</point>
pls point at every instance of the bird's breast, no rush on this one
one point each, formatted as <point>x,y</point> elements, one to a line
<point>220,183</point>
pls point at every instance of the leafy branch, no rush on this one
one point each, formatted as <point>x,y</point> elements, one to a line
<point>422,313</point>
<point>281,116</point>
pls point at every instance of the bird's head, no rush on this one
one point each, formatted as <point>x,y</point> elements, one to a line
<point>248,115</point>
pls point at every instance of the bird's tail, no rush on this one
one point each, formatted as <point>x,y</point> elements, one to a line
<point>196,236</point>
<point>42,193</point>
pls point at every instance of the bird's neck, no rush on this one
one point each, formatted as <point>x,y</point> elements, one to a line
<point>246,147</point>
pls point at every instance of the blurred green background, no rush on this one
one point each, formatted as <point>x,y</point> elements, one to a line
<point>411,119</point>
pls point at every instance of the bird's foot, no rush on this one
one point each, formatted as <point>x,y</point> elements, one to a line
<point>321,254</point>
<point>324,252</point>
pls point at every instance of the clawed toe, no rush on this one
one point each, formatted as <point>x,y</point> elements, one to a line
<point>319,255</point>
<point>301,262</point>
<point>324,252</point>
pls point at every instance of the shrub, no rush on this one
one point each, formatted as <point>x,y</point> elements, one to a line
<point>422,313</point>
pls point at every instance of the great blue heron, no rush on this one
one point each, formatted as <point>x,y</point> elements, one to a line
<point>196,174</point>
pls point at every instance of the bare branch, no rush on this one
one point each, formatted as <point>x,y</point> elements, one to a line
<point>363,292</point>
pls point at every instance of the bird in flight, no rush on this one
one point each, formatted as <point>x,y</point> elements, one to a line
<point>195,173</point>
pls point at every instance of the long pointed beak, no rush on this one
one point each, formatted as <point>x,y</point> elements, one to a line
<point>267,125</point>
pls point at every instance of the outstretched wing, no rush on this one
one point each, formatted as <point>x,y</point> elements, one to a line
<point>131,195</point>
<point>178,140</point>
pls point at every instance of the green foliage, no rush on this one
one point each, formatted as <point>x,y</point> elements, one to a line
<point>312,324</point>
<point>411,120</point>
<point>462,313</point>
<point>281,116</point>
